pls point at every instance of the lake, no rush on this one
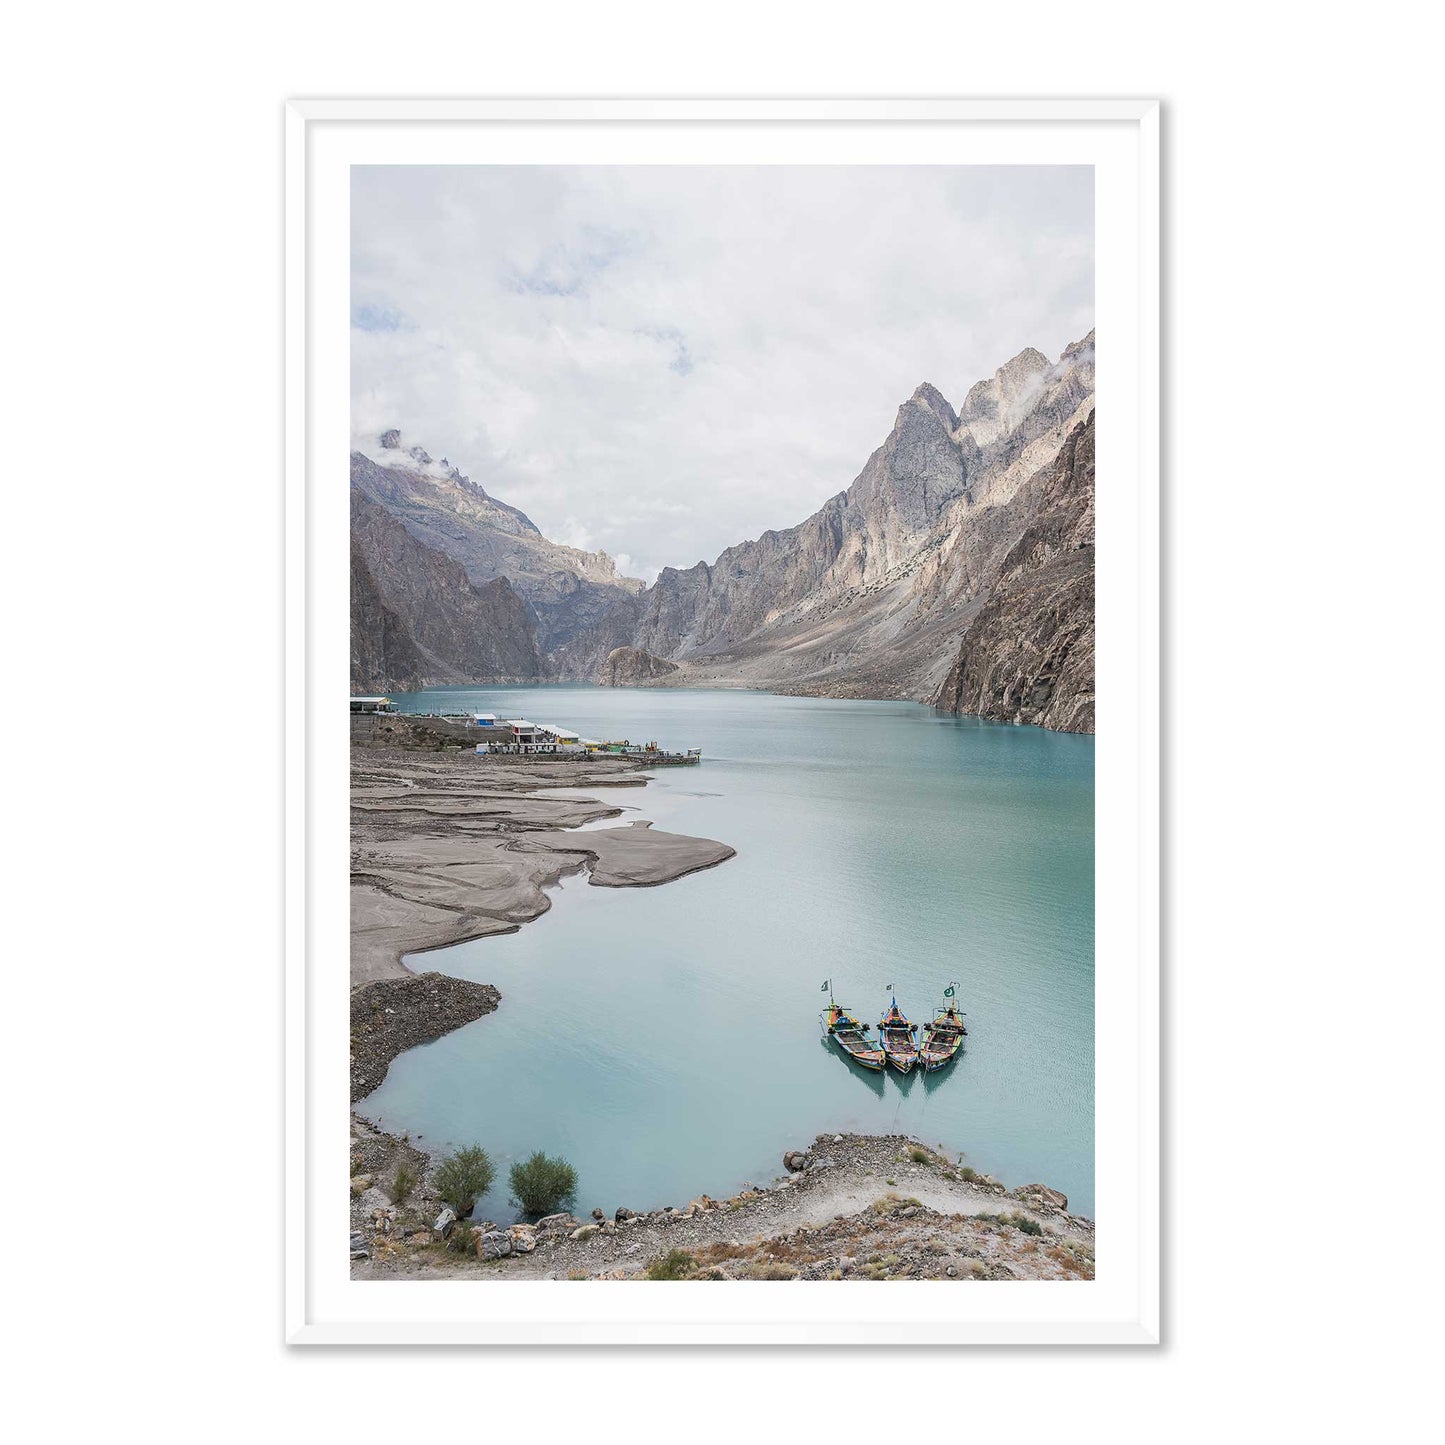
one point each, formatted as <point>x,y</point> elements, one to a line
<point>666,1040</point>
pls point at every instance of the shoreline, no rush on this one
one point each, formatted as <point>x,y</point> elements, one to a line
<point>448,846</point>
<point>855,1206</point>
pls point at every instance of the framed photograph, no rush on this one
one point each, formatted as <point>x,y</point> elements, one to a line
<point>726,910</point>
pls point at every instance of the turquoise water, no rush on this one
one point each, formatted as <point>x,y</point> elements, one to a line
<point>666,1040</point>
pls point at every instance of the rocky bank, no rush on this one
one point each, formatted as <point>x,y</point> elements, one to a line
<point>848,1207</point>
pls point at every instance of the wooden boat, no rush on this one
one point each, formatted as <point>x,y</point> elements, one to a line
<point>851,1036</point>
<point>896,1035</point>
<point>943,1038</point>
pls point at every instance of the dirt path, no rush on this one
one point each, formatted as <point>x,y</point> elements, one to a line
<point>863,1206</point>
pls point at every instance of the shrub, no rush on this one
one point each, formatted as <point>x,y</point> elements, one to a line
<point>675,1264</point>
<point>920,1156</point>
<point>966,1173</point>
<point>542,1185</point>
<point>402,1185</point>
<point>462,1178</point>
<point>463,1238</point>
<point>1017,1221</point>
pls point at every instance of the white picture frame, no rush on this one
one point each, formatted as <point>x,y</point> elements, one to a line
<point>1120,138</point>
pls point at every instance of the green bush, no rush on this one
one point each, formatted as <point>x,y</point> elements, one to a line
<point>920,1156</point>
<point>463,1238</point>
<point>970,1174</point>
<point>542,1185</point>
<point>462,1178</point>
<point>675,1264</point>
<point>402,1185</point>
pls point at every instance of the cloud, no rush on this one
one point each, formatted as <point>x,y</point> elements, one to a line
<point>668,360</point>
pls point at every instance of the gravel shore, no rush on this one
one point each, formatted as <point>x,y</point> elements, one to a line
<point>848,1207</point>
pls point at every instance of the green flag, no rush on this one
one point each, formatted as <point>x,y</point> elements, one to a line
<point>827,984</point>
<point>948,992</point>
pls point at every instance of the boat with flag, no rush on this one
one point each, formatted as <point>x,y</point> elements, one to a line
<point>849,1033</point>
<point>943,1038</point>
<point>897,1037</point>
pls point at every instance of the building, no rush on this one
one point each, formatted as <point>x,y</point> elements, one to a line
<point>372,704</point>
<point>485,719</point>
<point>529,737</point>
<point>566,741</point>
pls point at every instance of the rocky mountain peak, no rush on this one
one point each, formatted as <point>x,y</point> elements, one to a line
<point>391,440</point>
<point>928,397</point>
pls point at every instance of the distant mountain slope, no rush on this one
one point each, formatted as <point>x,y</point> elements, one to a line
<point>417,618</point>
<point>870,595</point>
<point>384,654</point>
<point>1028,655</point>
<point>957,568</point>
<point>567,589</point>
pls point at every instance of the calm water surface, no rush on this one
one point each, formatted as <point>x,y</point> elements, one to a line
<point>666,1040</point>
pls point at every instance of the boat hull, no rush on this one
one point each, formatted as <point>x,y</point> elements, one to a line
<point>863,1061</point>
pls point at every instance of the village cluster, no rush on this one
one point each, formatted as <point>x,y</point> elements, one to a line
<point>521,736</point>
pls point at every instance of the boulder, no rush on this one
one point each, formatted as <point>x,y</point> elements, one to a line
<point>360,1183</point>
<point>523,1237</point>
<point>444,1221</point>
<point>493,1245</point>
<point>624,1213</point>
<point>584,1233</point>
<point>599,1215</point>
<point>557,1224</point>
<point>795,1161</point>
<point>1040,1194</point>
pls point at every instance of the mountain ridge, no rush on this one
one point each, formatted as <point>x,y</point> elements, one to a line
<point>872,595</point>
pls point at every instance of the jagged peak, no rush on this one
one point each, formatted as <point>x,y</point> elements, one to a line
<point>927,397</point>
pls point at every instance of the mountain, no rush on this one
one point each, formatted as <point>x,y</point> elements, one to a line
<point>384,654</point>
<point>870,596</point>
<point>567,590</point>
<point>417,618</point>
<point>1028,655</point>
<point>956,568</point>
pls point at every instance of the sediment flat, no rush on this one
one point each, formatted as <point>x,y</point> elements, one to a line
<point>447,845</point>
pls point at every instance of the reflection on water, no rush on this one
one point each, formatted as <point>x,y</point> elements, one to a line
<point>666,1039</point>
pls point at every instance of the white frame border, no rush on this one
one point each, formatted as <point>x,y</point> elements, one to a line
<point>300,118</point>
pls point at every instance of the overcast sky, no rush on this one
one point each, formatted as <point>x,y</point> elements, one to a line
<point>664,361</point>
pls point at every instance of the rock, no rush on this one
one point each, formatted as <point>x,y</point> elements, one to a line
<point>557,1224</point>
<point>444,1221</point>
<point>421,1236</point>
<point>360,1183</point>
<point>624,1214</point>
<point>951,1272</point>
<point>1040,1195</point>
<point>579,1236</point>
<point>837,1138</point>
<point>599,1215</point>
<point>632,666</point>
<point>523,1237</point>
<point>493,1245</point>
<point>373,1198</point>
<point>795,1161</point>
